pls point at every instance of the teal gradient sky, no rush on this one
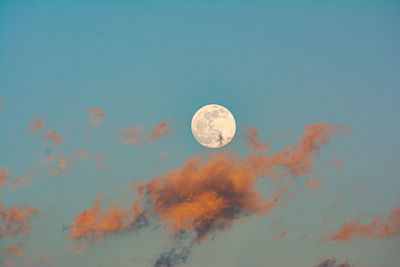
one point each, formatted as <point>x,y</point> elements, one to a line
<point>277,65</point>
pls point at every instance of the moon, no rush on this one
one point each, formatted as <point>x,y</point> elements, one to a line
<point>213,126</point>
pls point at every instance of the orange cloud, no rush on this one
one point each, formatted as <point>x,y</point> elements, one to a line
<point>314,183</point>
<point>59,163</point>
<point>4,176</point>
<point>253,142</point>
<point>36,125</point>
<point>336,163</point>
<point>161,129</point>
<point>96,223</point>
<point>47,258</point>
<point>136,135</point>
<point>9,262</point>
<point>54,137</point>
<point>380,227</point>
<point>15,250</point>
<point>303,236</point>
<point>133,134</point>
<point>281,235</point>
<point>207,195</point>
<point>16,220</point>
<point>77,249</point>
<point>96,116</point>
<point>21,180</point>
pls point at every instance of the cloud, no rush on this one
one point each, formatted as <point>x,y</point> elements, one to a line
<point>47,258</point>
<point>16,220</point>
<point>315,183</point>
<point>209,194</point>
<point>96,223</point>
<point>59,163</point>
<point>303,236</point>
<point>253,142</point>
<point>136,135</point>
<point>53,137</point>
<point>173,257</point>
<point>332,263</point>
<point>161,129</point>
<point>336,163</point>
<point>4,176</point>
<point>379,227</point>
<point>9,262</point>
<point>96,117</point>
<point>21,180</point>
<point>133,134</point>
<point>76,249</point>
<point>281,235</point>
<point>36,125</point>
<point>15,250</point>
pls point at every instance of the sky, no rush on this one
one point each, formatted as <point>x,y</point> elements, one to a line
<point>98,165</point>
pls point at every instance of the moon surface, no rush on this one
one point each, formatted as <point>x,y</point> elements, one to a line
<point>213,126</point>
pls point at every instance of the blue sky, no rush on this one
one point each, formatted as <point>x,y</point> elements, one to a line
<point>277,65</point>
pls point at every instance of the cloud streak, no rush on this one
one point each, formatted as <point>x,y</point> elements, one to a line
<point>380,227</point>
<point>36,125</point>
<point>22,180</point>
<point>96,117</point>
<point>96,223</point>
<point>137,135</point>
<point>60,163</point>
<point>253,142</point>
<point>4,176</point>
<point>52,136</point>
<point>332,263</point>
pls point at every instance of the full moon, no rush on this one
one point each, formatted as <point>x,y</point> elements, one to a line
<point>213,126</point>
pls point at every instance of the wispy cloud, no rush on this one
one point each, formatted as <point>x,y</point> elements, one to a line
<point>253,142</point>
<point>52,136</point>
<point>15,250</point>
<point>22,180</point>
<point>96,223</point>
<point>96,117</point>
<point>161,129</point>
<point>60,163</point>
<point>133,134</point>
<point>379,227</point>
<point>314,183</point>
<point>36,125</point>
<point>16,220</point>
<point>47,258</point>
<point>335,162</point>
<point>137,136</point>
<point>4,176</point>
<point>332,263</point>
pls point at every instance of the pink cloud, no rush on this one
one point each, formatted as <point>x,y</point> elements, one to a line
<point>380,227</point>
<point>136,135</point>
<point>96,117</point>
<point>36,125</point>
<point>4,176</point>
<point>53,137</point>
